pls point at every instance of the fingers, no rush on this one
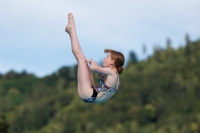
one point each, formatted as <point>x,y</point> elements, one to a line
<point>89,61</point>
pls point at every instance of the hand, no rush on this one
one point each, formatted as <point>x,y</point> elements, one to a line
<point>91,62</point>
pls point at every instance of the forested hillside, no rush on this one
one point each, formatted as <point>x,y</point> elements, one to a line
<point>158,95</point>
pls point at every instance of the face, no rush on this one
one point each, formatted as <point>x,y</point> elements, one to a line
<point>107,61</point>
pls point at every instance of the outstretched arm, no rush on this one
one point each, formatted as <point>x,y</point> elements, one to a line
<point>96,68</point>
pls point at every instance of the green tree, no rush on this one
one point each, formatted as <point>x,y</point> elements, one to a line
<point>132,59</point>
<point>4,126</point>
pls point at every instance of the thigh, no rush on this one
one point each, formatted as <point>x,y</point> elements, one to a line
<point>84,80</point>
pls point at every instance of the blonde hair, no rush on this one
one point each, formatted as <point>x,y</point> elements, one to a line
<point>117,57</point>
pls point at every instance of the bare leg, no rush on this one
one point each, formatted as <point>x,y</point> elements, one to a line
<point>91,78</point>
<point>85,81</point>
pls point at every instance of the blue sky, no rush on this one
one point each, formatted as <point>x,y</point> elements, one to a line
<point>32,36</point>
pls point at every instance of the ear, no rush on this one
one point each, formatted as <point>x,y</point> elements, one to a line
<point>112,62</point>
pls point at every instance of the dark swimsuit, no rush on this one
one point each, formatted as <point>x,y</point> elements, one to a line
<point>101,87</point>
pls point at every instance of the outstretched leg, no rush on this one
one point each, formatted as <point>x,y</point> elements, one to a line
<point>85,81</point>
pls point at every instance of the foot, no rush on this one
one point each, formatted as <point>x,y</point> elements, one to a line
<point>71,23</point>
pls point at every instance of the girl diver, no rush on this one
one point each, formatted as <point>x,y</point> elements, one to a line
<point>108,74</point>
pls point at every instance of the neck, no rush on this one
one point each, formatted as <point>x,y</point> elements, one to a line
<point>114,69</point>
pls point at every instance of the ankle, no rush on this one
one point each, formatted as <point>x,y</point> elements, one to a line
<point>70,29</point>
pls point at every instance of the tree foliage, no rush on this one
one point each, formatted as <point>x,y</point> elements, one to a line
<point>158,95</point>
<point>4,126</point>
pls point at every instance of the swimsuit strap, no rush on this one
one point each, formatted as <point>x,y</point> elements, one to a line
<point>117,84</point>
